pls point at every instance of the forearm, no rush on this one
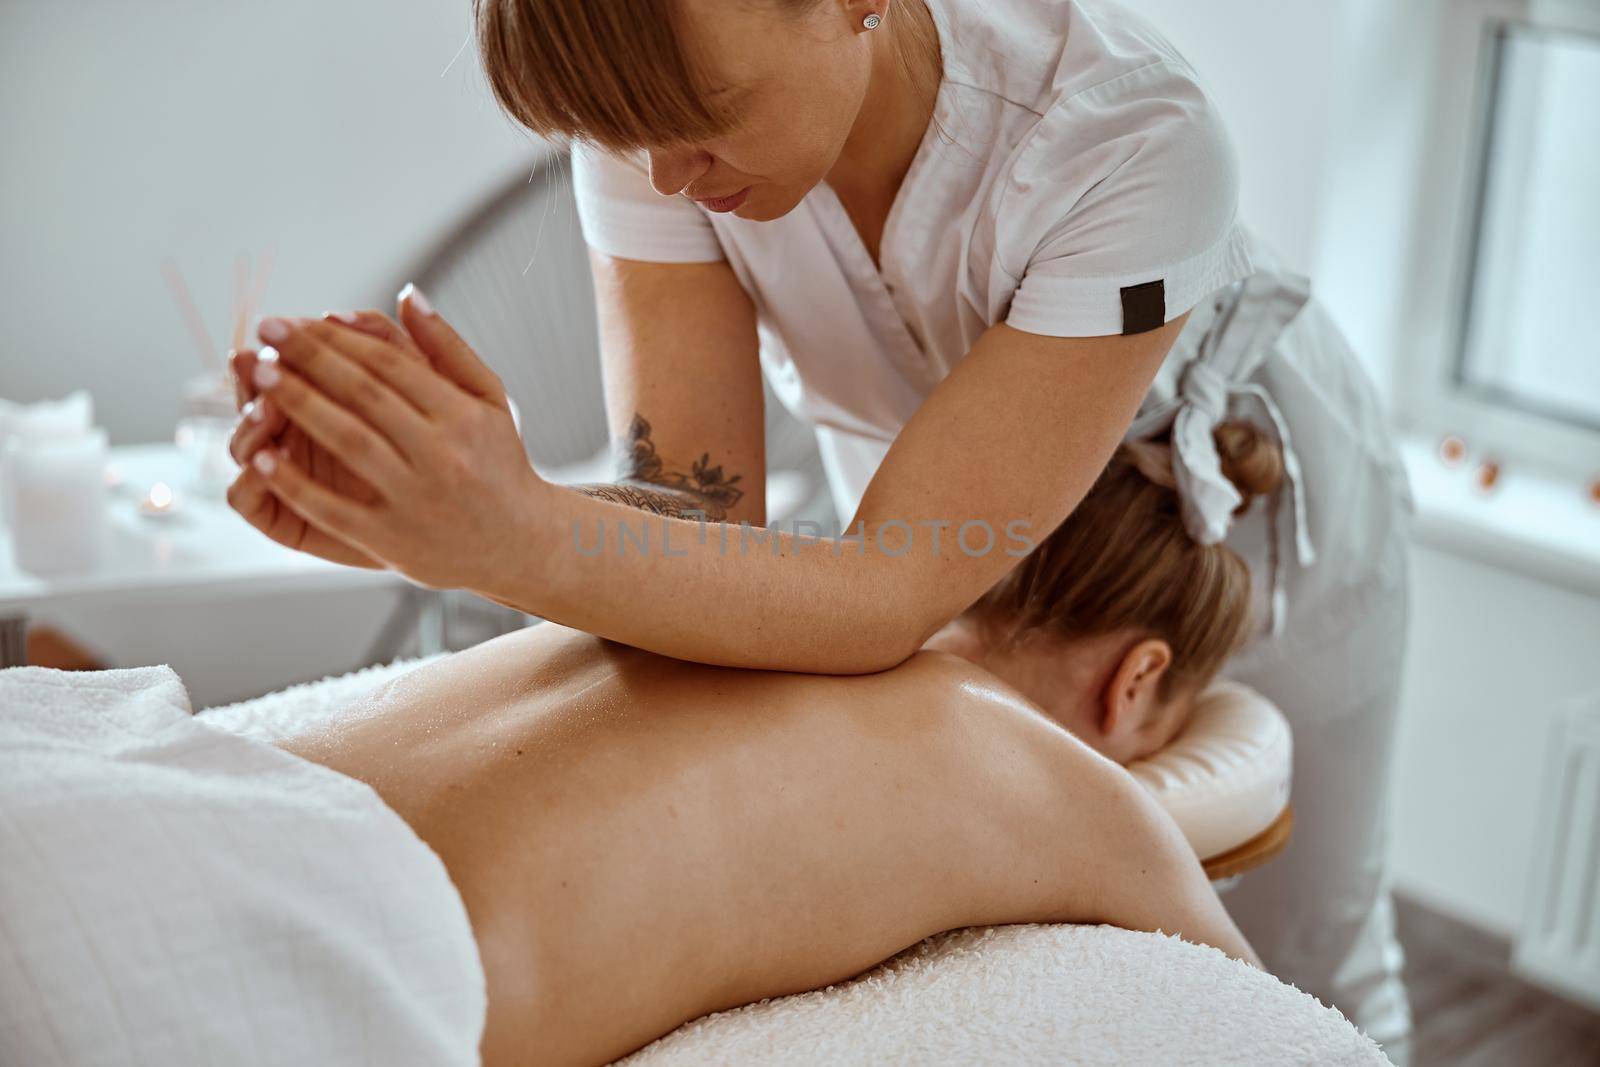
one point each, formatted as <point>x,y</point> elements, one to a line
<point>656,499</point>
<point>719,593</point>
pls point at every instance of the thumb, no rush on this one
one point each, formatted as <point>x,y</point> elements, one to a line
<point>449,354</point>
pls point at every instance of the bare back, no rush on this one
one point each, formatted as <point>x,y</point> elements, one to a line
<point>640,840</point>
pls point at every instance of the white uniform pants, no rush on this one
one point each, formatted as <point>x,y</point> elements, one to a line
<point>1320,914</point>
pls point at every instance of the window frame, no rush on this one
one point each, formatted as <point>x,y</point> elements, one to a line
<point>1436,396</point>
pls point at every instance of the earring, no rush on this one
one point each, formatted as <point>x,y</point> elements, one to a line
<point>871,21</point>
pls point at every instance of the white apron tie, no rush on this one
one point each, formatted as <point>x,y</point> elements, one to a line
<point>1248,319</point>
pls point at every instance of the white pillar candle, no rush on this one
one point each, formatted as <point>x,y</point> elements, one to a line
<point>71,416</point>
<point>57,489</point>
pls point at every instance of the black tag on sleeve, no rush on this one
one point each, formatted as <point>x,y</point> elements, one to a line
<point>1144,307</point>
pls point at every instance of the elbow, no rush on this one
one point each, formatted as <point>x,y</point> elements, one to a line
<point>866,642</point>
<point>882,643</point>
<point>860,654</point>
<point>886,620</point>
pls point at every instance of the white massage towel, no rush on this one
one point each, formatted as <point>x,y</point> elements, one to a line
<point>994,995</point>
<point>1032,995</point>
<point>172,893</point>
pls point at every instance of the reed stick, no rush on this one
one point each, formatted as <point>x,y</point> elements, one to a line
<point>190,313</point>
<point>259,292</point>
<point>241,298</point>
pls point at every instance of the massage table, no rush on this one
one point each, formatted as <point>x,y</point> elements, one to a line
<point>1018,994</point>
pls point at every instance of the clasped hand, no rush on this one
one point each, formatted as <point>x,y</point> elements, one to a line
<point>381,445</point>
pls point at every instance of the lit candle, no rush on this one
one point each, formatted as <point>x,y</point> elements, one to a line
<point>160,501</point>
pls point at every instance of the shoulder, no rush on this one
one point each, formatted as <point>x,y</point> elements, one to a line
<point>1125,104</point>
<point>1036,54</point>
<point>622,215</point>
<point>597,170</point>
<point>1105,128</point>
<point>1152,141</point>
<point>966,691</point>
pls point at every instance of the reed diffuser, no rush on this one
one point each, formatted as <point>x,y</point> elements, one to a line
<point>206,411</point>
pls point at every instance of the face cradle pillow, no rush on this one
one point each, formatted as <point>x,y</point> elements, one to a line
<point>1225,778</point>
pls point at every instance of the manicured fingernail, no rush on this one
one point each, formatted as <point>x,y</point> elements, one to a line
<point>349,318</point>
<point>414,296</point>
<point>256,410</point>
<point>265,461</point>
<point>273,331</point>
<point>266,374</point>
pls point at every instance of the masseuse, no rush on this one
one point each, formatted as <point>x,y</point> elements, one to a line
<point>961,239</point>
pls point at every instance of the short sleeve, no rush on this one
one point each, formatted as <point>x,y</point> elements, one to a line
<point>1120,213</point>
<point>622,215</point>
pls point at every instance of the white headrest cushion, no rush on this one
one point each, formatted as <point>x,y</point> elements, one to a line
<point>1225,778</point>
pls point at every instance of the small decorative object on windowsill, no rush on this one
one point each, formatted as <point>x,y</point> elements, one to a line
<point>1487,476</point>
<point>1452,450</point>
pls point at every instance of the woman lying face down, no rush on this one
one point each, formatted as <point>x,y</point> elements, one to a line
<point>640,841</point>
<point>1119,619</point>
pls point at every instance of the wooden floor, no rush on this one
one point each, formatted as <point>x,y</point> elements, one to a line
<point>1471,1012</point>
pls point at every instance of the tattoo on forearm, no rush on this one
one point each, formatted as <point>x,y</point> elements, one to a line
<point>656,501</point>
<point>704,492</point>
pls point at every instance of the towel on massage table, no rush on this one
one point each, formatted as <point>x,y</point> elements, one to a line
<point>172,893</point>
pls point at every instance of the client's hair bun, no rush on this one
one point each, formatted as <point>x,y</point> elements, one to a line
<point>1251,459</point>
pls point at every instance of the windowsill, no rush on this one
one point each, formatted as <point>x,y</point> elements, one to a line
<point>1531,523</point>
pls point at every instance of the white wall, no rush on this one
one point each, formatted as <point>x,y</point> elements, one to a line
<point>1372,175</point>
<point>1492,655</point>
<point>1272,73</point>
<point>1327,104</point>
<point>133,131</point>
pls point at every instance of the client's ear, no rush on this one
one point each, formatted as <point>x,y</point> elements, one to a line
<point>1133,697</point>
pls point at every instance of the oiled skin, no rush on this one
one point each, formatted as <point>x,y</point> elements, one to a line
<point>640,841</point>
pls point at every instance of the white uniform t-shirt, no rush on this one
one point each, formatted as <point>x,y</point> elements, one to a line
<point>1076,181</point>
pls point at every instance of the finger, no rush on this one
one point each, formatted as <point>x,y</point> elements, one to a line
<point>365,451</point>
<point>376,324</point>
<point>395,360</point>
<point>395,393</point>
<point>319,507</point>
<point>449,354</point>
<point>250,496</point>
<point>254,430</point>
<point>240,363</point>
<point>320,353</point>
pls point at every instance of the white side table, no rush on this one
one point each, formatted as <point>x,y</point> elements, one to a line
<point>205,551</point>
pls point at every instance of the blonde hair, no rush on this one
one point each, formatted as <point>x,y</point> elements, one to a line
<point>1123,560</point>
<point>615,73</point>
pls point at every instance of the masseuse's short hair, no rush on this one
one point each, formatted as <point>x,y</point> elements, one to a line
<point>616,73</point>
<point>1123,561</point>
